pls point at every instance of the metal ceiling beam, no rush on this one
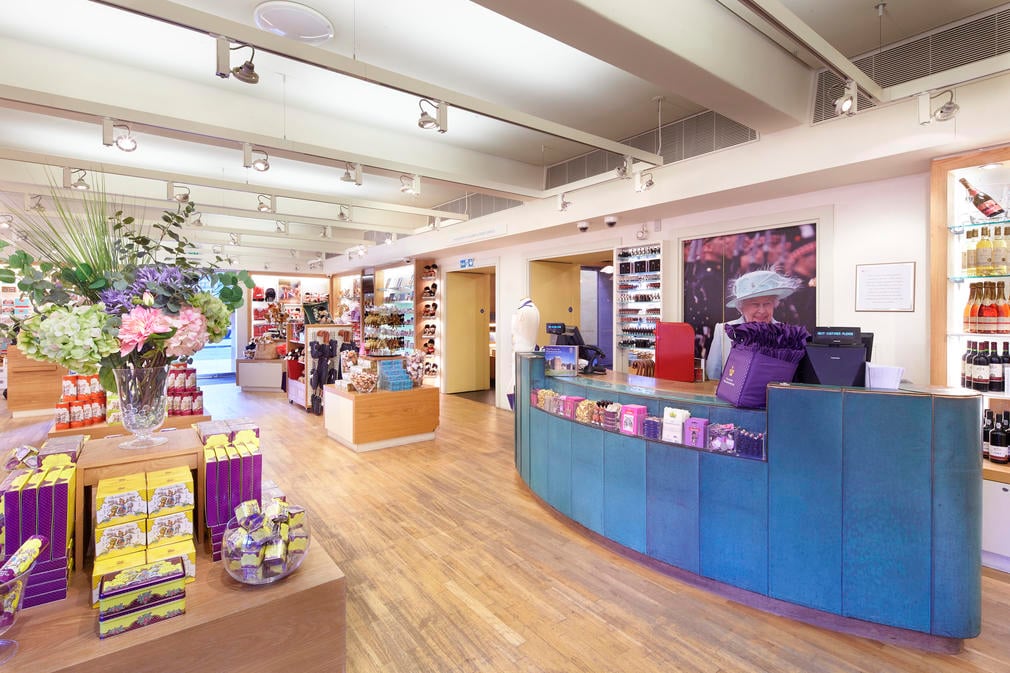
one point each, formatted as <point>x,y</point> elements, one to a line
<point>209,24</point>
<point>196,180</point>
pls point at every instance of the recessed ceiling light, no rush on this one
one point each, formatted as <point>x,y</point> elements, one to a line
<point>293,20</point>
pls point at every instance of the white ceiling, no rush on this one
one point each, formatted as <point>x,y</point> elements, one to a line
<point>68,63</point>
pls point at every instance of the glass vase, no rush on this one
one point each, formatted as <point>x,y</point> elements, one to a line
<point>11,593</point>
<point>143,403</point>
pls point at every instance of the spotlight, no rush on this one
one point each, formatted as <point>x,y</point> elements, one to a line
<point>261,164</point>
<point>624,170</point>
<point>34,202</point>
<point>352,173</point>
<point>344,215</point>
<point>848,103</point>
<point>194,219</point>
<point>234,238</point>
<point>181,197</point>
<point>389,239</point>
<point>247,71</point>
<point>281,227</point>
<point>563,203</point>
<point>427,121</point>
<point>217,249</point>
<point>642,233</point>
<point>266,204</point>
<point>124,141</point>
<point>6,220</point>
<point>608,269</point>
<point>948,110</point>
<point>410,184</point>
<point>324,232</point>
<point>70,183</point>
<point>266,266</point>
<point>643,181</point>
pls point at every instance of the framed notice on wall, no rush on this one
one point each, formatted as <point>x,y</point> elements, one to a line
<point>885,287</point>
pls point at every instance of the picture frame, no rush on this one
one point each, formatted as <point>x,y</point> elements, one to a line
<point>561,360</point>
<point>887,287</point>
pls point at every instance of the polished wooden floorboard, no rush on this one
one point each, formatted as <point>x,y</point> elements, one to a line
<point>453,567</point>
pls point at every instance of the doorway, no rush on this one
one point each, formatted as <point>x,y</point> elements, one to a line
<point>577,290</point>
<point>470,333</point>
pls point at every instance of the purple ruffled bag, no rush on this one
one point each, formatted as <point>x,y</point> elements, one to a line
<point>762,353</point>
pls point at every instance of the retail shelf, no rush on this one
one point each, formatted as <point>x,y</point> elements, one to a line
<point>958,228</point>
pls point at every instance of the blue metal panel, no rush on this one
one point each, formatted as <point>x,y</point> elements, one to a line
<point>886,509</point>
<point>559,465</point>
<point>805,497</point>
<point>957,517</point>
<point>539,448</point>
<point>671,505</point>
<point>734,521</point>
<point>651,404</point>
<point>587,477</point>
<point>748,419</point>
<point>624,490</point>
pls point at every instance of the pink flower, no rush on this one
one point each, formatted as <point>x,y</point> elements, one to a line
<point>139,325</point>
<point>191,335</point>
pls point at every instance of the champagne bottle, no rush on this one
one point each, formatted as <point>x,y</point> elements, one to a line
<point>996,383</point>
<point>987,311</point>
<point>999,252</point>
<point>985,203</point>
<point>980,369</point>
<point>983,254</point>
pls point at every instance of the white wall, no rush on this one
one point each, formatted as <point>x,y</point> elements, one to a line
<point>882,221</point>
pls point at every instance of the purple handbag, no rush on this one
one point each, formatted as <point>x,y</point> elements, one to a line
<point>746,376</point>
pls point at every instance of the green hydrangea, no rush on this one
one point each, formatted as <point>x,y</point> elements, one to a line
<point>77,337</point>
<point>214,310</point>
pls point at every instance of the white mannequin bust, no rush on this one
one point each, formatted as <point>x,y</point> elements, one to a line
<point>525,326</point>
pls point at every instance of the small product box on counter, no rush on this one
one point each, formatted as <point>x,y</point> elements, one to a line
<point>184,550</point>
<point>169,491</point>
<point>170,528</point>
<point>111,564</point>
<point>122,538</point>
<point>694,432</point>
<point>138,586</point>
<point>632,416</point>
<point>141,616</point>
<point>120,500</point>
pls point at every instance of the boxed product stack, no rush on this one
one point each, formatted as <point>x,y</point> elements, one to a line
<point>184,397</point>
<point>41,502</point>
<point>234,472</point>
<point>142,518</point>
<point>82,402</point>
<point>392,375</point>
<point>131,597</point>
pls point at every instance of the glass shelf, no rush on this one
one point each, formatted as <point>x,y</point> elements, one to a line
<point>962,278</point>
<point>959,228</point>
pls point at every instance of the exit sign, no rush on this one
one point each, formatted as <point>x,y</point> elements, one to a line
<point>466,263</point>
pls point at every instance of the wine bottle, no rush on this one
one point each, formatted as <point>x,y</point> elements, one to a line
<point>987,313</point>
<point>983,254</point>
<point>968,255</point>
<point>965,359</point>
<point>996,381</point>
<point>999,252</point>
<point>976,304</point>
<point>998,440</point>
<point>985,203</point>
<point>1002,309</point>
<point>988,423</point>
<point>1005,358</point>
<point>980,369</point>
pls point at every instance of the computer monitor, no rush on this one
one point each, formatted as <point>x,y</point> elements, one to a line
<point>836,364</point>
<point>571,337</point>
<point>867,339</point>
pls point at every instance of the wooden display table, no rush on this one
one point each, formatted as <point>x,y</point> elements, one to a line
<point>33,388</point>
<point>381,419</point>
<point>296,624</point>
<point>102,430</point>
<point>103,458</point>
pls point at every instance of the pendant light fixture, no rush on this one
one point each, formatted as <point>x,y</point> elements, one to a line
<point>438,121</point>
<point>259,163</point>
<point>243,73</point>
<point>352,173</point>
<point>73,178</point>
<point>410,185</point>
<point>178,193</point>
<point>267,204</point>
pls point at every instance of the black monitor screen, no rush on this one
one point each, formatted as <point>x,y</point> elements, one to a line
<point>867,338</point>
<point>572,337</point>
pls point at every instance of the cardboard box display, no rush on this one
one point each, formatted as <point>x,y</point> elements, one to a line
<point>63,508</point>
<point>673,431</point>
<point>67,445</point>
<point>120,538</point>
<point>42,599</point>
<point>128,588</point>
<point>184,550</point>
<point>221,498</point>
<point>104,566</point>
<point>170,528</point>
<point>121,499</point>
<point>210,487</point>
<point>234,478</point>
<point>30,505</point>
<point>694,432</point>
<point>46,510</point>
<point>12,486</point>
<point>169,491</point>
<point>245,460</point>
<point>141,616</point>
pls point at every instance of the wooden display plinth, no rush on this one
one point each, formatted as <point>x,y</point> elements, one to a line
<point>101,430</point>
<point>381,419</point>
<point>33,388</point>
<point>296,624</point>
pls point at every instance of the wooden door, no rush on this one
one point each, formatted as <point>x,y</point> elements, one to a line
<point>467,318</point>
<point>554,288</point>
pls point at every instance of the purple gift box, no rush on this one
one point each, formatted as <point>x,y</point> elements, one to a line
<point>694,432</point>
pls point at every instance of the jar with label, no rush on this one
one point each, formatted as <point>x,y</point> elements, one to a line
<point>77,414</point>
<point>70,387</point>
<point>97,409</point>
<point>83,387</point>
<point>186,404</point>
<point>96,384</point>
<point>190,379</point>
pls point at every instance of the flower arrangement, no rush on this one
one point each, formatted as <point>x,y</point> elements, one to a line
<point>110,293</point>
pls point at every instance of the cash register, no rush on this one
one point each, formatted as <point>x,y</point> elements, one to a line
<point>569,335</point>
<point>836,356</point>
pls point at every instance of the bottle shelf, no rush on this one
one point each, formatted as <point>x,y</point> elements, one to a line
<point>954,278</point>
<point>975,223</point>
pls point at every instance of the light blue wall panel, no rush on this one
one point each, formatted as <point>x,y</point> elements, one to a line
<point>587,477</point>
<point>624,490</point>
<point>559,465</point>
<point>671,505</point>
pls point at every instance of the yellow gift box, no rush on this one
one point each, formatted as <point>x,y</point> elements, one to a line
<point>121,538</point>
<point>120,499</point>
<point>169,491</point>
<point>185,549</point>
<point>170,528</point>
<point>104,566</point>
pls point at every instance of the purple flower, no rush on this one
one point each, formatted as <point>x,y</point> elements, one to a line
<point>146,276</point>
<point>116,301</point>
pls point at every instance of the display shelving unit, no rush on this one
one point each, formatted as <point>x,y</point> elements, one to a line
<point>428,311</point>
<point>638,299</point>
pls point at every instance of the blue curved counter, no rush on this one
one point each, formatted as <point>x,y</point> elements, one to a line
<point>868,506</point>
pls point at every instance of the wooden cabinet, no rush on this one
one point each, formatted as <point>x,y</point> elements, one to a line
<point>381,419</point>
<point>33,388</point>
<point>996,525</point>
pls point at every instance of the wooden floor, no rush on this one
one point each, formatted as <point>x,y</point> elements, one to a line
<point>452,566</point>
